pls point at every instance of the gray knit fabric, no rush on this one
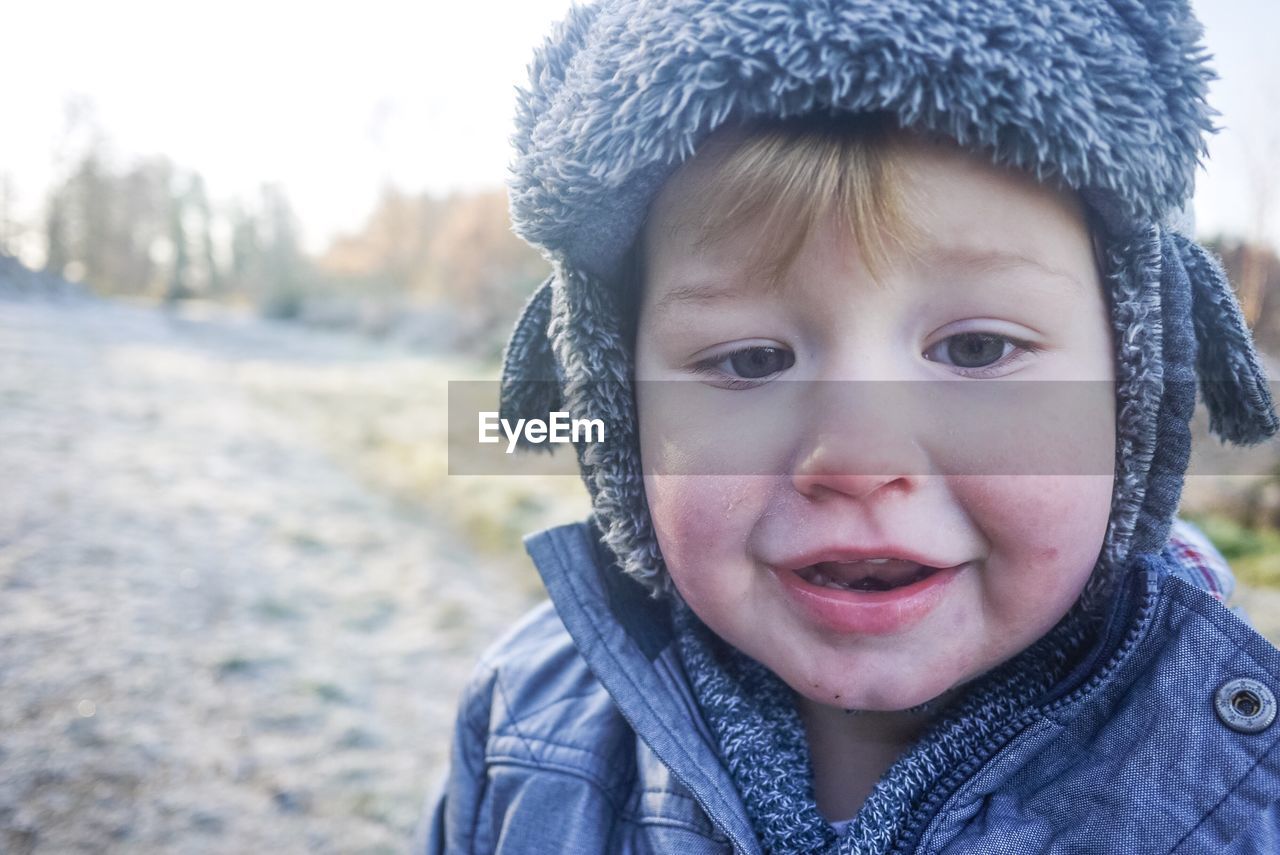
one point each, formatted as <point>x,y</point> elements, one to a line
<point>1133,277</point>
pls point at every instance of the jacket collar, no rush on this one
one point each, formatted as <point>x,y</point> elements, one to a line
<point>626,638</point>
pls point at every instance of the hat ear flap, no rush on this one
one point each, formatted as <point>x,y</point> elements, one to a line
<point>530,374</point>
<point>1233,383</point>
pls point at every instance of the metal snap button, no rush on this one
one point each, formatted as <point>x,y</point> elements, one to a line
<point>1245,705</point>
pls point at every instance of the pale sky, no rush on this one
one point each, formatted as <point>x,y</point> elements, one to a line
<point>333,99</point>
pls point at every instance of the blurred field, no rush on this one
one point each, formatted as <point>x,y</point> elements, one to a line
<point>238,599</point>
<point>239,591</point>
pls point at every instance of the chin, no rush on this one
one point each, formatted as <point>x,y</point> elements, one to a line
<point>887,688</point>
<point>880,702</point>
<point>882,698</point>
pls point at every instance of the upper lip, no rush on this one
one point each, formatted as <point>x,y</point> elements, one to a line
<point>862,553</point>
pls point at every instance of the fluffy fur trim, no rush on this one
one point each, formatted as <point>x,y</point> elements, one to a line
<point>1232,381</point>
<point>1104,95</point>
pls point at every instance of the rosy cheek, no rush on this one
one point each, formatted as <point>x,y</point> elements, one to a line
<point>1045,515</point>
<point>677,506</point>
<point>1044,536</point>
<point>1072,512</point>
<point>702,522</point>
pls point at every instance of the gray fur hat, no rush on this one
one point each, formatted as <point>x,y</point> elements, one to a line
<point>1104,96</point>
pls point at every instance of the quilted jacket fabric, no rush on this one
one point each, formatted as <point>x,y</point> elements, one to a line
<point>579,734</point>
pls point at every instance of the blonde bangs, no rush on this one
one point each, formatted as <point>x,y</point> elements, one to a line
<point>788,176</point>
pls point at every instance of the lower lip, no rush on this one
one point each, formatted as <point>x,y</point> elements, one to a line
<point>868,612</point>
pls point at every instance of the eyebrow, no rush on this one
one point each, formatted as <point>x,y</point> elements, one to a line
<point>706,291</point>
<point>990,260</point>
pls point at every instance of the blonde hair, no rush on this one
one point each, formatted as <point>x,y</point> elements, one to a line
<point>795,173</point>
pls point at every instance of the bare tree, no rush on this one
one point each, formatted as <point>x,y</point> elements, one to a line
<point>201,231</point>
<point>140,228</point>
<point>56,254</point>
<point>284,269</point>
<point>8,225</point>
<point>76,210</point>
<point>180,264</point>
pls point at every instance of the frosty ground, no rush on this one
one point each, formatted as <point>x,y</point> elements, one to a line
<point>216,633</point>
<point>238,595</point>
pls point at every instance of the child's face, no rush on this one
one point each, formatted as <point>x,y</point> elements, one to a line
<point>758,486</point>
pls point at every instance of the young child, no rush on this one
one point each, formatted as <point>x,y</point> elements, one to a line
<point>847,587</point>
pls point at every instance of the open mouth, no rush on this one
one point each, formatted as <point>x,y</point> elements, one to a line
<point>868,574</point>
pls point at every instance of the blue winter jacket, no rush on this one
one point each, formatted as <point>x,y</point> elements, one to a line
<point>579,734</point>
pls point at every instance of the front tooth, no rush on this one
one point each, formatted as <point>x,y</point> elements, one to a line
<point>877,560</point>
<point>819,578</point>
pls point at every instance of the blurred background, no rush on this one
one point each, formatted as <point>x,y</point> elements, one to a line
<point>243,249</point>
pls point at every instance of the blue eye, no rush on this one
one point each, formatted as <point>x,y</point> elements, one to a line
<point>976,350</point>
<point>756,362</point>
<point>749,363</point>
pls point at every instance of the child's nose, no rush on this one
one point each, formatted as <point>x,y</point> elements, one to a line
<point>860,441</point>
<point>814,478</point>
